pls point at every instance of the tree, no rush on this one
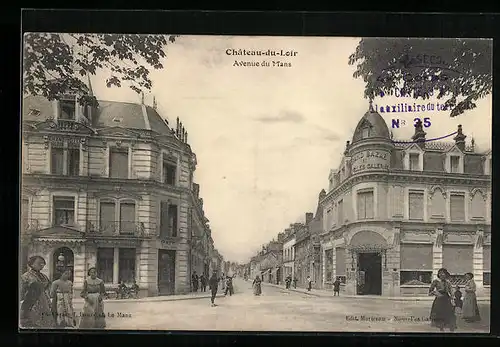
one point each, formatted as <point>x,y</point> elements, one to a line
<point>57,63</point>
<point>458,70</point>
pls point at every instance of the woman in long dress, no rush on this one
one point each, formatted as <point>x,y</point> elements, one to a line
<point>257,289</point>
<point>35,306</point>
<point>470,310</point>
<point>442,311</point>
<point>62,301</point>
<point>93,292</point>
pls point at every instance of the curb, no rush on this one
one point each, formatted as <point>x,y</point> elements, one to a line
<point>155,299</point>
<point>403,299</point>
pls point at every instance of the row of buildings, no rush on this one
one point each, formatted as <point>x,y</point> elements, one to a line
<point>394,213</point>
<point>110,185</point>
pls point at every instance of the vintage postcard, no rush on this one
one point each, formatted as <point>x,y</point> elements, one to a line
<point>235,183</point>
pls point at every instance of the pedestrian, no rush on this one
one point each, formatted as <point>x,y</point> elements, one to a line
<point>213,284</point>
<point>309,283</point>
<point>295,283</point>
<point>257,287</point>
<point>203,282</point>
<point>458,300</point>
<point>229,286</point>
<point>442,311</point>
<point>336,287</point>
<point>194,281</point>
<point>93,292</point>
<point>470,310</point>
<point>223,282</point>
<point>61,292</point>
<point>36,309</point>
<point>288,281</point>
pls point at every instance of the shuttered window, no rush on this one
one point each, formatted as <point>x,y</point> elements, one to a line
<point>416,205</point>
<point>107,217</point>
<point>164,228</point>
<point>118,163</point>
<point>457,259</point>
<point>127,217</point>
<point>105,257</point>
<point>126,265</point>
<point>487,258</point>
<point>365,205</point>
<point>416,256</point>
<point>457,207</point>
<point>57,161</point>
<point>340,255</point>
<point>454,164</point>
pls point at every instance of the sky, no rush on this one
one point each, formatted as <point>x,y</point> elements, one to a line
<point>266,138</point>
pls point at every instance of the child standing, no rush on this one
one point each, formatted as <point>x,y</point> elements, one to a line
<point>458,299</point>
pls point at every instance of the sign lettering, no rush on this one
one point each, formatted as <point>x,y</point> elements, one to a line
<point>370,160</point>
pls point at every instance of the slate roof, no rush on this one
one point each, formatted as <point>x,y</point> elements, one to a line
<point>110,114</point>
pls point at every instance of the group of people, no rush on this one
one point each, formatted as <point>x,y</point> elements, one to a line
<point>50,305</point>
<point>199,282</point>
<point>447,304</point>
<point>125,292</point>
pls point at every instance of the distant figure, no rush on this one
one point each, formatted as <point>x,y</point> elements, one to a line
<point>309,283</point>
<point>442,311</point>
<point>294,282</point>
<point>194,281</point>
<point>203,283</point>
<point>122,290</point>
<point>135,290</point>
<point>470,310</point>
<point>229,286</point>
<point>213,284</point>
<point>336,287</point>
<point>458,300</point>
<point>257,289</point>
<point>288,281</point>
<point>223,281</point>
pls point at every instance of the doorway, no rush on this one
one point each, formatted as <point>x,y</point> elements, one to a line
<point>369,274</point>
<point>62,260</point>
<point>166,272</point>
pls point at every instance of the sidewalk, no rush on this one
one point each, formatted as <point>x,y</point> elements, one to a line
<point>190,296</point>
<point>327,293</point>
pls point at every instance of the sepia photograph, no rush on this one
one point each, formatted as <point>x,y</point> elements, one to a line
<point>255,183</point>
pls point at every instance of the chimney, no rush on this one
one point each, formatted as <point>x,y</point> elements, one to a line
<point>419,136</point>
<point>177,127</point>
<point>309,217</point>
<point>460,138</point>
<point>186,137</point>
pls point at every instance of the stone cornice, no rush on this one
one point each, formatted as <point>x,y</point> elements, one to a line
<point>409,177</point>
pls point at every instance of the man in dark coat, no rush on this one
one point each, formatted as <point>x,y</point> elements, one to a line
<point>213,284</point>
<point>203,283</point>
<point>194,281</point>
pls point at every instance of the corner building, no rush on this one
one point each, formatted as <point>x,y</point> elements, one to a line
<point>397,211</point>
<point>110,185</point>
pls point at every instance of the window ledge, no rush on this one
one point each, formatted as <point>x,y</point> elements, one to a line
<point>487,286</point>
<point>414,285</point>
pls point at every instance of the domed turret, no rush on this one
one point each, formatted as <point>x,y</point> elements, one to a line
<point>371,125</point>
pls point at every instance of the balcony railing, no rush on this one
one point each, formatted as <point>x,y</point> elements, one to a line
<point>111,228</point>
<point>68,124</point>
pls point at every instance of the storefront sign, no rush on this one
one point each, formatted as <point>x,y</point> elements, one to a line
<point>370,160</point>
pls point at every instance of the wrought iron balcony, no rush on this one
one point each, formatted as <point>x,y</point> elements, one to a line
<point>117,228</point>
<point>69,124</point>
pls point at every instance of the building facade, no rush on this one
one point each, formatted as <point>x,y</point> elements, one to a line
<point>110,185</point>
<point>289,255</point>
<point>396,212</point>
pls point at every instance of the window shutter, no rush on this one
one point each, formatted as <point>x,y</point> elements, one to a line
<point>457,259</point>
<point>457,207</point>
<point>416,257</point>
<point>416,205</point>
<point>361,206</point>
<point>369,205</point>
<point>340,255</point>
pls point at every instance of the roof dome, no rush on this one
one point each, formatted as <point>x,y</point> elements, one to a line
<point>371,125</point>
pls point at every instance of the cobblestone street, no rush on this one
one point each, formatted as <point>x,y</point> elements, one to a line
<point>279,310</point>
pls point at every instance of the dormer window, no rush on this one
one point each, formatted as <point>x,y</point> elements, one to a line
<point>67,109</point>
<point>366,132</point>
<point>454,164</point>
<point>414,162</point>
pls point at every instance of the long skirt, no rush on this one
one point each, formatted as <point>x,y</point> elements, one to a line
<point>63,310</point>
<point>443,313</point>
<point>93,316</point>
<point>39,315</point>
<point>470,310</point>
<point>257,289</point>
